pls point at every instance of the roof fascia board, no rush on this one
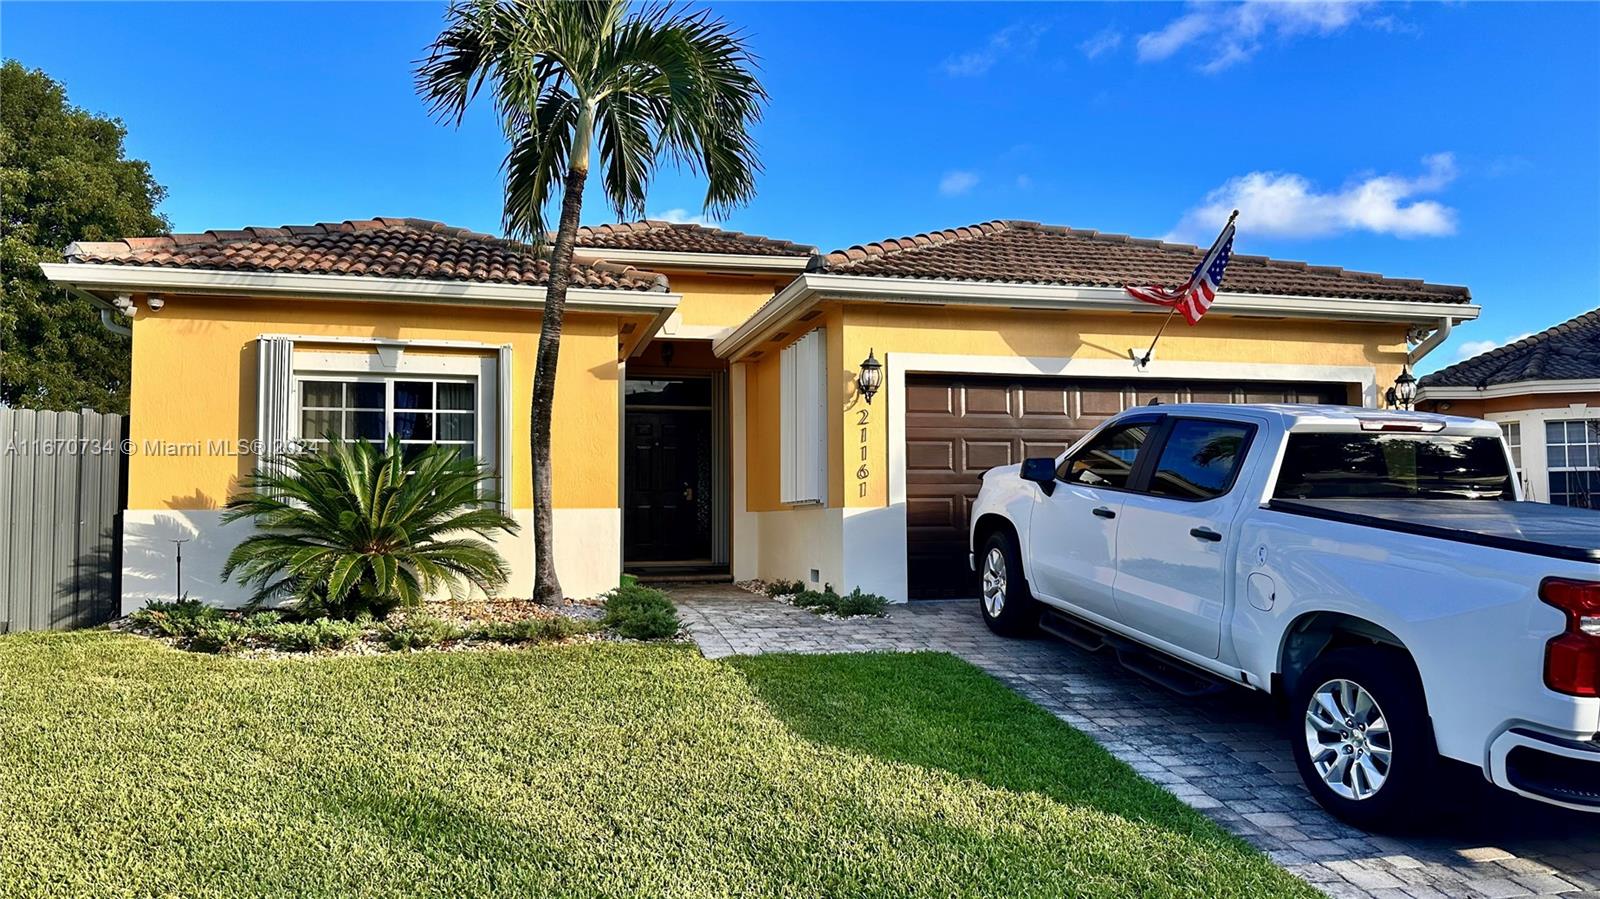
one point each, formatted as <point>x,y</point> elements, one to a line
<point>709,262</point>
<point>124,278</point>
<point>809,289</point>
<point>1515,388</point>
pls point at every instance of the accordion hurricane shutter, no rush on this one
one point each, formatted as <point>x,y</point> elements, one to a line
<point>804,420</point>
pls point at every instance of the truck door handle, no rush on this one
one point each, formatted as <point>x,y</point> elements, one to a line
<point>1206,534</point>
<point>1103,512</point>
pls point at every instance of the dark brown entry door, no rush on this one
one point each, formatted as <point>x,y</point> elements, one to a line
<point>959,426</point>
<point>667,486</point>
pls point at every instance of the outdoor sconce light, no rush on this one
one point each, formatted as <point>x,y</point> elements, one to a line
<point>1404,391</point>
<point>870,378</point>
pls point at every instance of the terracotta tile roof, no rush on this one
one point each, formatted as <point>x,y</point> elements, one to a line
<point>383,247</point>
<point>1569,351</point>
<point>1030,253</point>
<point>672,237</point>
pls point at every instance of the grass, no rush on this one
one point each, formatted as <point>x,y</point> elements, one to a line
<point>128,768</point>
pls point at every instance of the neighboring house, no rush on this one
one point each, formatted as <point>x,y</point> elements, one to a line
<point>1544,391</point>
<point>707,418</point>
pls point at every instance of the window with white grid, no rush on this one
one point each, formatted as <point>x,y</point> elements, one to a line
<point>1572,450</point>
<point>421,412</point>
<point>1513,434</point>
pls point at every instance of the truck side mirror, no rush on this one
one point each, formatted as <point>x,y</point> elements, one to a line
<point>1041,472</point>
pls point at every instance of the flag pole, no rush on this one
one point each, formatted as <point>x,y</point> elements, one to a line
<point>1144,360</point>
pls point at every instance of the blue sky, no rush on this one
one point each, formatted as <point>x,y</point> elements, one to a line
<point>1457,143</point>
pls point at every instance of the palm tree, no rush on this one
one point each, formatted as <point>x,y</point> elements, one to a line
<point>571,75</point>
<point>354,529</point>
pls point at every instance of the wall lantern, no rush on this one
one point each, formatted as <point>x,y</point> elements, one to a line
<point>1404,391</point>
<point>871,377</point>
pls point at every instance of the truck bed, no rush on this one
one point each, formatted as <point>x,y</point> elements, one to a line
<point>1558,532</point>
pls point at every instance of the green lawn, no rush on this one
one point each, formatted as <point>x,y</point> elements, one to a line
<point>130,769</point>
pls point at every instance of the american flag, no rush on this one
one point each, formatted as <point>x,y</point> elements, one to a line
<point>1195,295</point>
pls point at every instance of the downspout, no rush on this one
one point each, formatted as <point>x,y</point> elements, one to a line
<point>109,322</point>
<point>1440,335</point>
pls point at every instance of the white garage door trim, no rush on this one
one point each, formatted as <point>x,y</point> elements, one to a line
<point>883,568</point>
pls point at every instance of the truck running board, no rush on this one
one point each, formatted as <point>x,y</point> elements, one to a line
<point>1158,668</point>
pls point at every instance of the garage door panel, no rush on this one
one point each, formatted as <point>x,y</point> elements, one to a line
<point>982,455</point>
<point>929,398</point>
<point>959,426</point>
<point>931,455</point>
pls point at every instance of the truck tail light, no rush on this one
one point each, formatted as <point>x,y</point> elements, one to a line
<point>1572,660</point>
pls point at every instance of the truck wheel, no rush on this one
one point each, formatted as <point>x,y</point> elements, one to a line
<point>1008,607</point>
<point>1363,741</point>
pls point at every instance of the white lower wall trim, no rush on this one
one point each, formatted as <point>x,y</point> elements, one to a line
<point>796,542</point>
<point>588,554</point>
<point>875,551</point>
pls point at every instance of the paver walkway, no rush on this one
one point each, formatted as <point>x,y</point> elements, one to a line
<point>1226,755</point>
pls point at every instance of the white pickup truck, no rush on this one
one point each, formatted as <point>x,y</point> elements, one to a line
<point>1376,570</point>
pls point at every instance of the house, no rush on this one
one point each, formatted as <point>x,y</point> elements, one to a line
<point>707,413</point>
<point>1544,390</point>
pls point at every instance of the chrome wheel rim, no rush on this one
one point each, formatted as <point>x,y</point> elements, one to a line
<point>1349,740</point>
<point>994,582</point>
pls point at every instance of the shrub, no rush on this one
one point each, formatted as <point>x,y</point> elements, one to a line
<point>419,631</point>
<point>179,618</point>
<point>855,604</point>
<point>859,603</point>
<point>262,620</point>
<point>309,636</point>
<point>640,613</point>
<point>219,635</point>
<point>785,588</point>
<point>356,529</point>
<point>529,630</point>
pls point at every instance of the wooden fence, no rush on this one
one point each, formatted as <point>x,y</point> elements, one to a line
<point>62,477</point>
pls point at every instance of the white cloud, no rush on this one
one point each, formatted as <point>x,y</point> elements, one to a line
<point>1101,43</point>
<point>957,183</point>
<point>1011,40</point>
<point>681,216</point>
<point>1475,347</point>
<point>1283,204</point>
<point>1225,36</point>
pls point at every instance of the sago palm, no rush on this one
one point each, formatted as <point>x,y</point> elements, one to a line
<point>571,76</point>
<point>357,528</point>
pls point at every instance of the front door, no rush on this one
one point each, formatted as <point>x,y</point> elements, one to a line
<point>667,476</point>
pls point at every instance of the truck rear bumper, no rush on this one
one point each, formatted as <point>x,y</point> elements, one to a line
<point>1546,767</point>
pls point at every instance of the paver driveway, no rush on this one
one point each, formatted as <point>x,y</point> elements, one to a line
<point>1226,755</point>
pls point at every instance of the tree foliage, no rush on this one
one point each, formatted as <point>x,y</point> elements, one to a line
<point>63,177</point>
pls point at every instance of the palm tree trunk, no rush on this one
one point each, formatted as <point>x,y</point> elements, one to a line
<point>546,586</point>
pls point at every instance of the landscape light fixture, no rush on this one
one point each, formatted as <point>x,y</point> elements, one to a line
<point>870,378</point>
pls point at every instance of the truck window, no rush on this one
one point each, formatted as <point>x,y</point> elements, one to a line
<point>1199,459</point>
<point>1393,466</point>
<point>1107,461</point>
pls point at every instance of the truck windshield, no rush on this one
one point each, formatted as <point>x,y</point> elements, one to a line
<point>1394,466</point>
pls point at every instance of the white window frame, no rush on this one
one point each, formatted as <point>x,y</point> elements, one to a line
<point>416,364</point>
<point>804,420</point>
<point>1591,443</point>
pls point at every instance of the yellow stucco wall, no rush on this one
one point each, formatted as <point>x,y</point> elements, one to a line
<point>194,379</point>
<point>722,301</point>
<point>886,330</point>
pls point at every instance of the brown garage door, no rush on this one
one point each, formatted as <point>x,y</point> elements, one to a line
<point>959,426</point>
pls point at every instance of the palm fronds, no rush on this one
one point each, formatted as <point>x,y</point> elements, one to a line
<point>357,528</point>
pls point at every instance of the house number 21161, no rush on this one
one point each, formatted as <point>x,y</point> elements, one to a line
<point>864,472</point>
